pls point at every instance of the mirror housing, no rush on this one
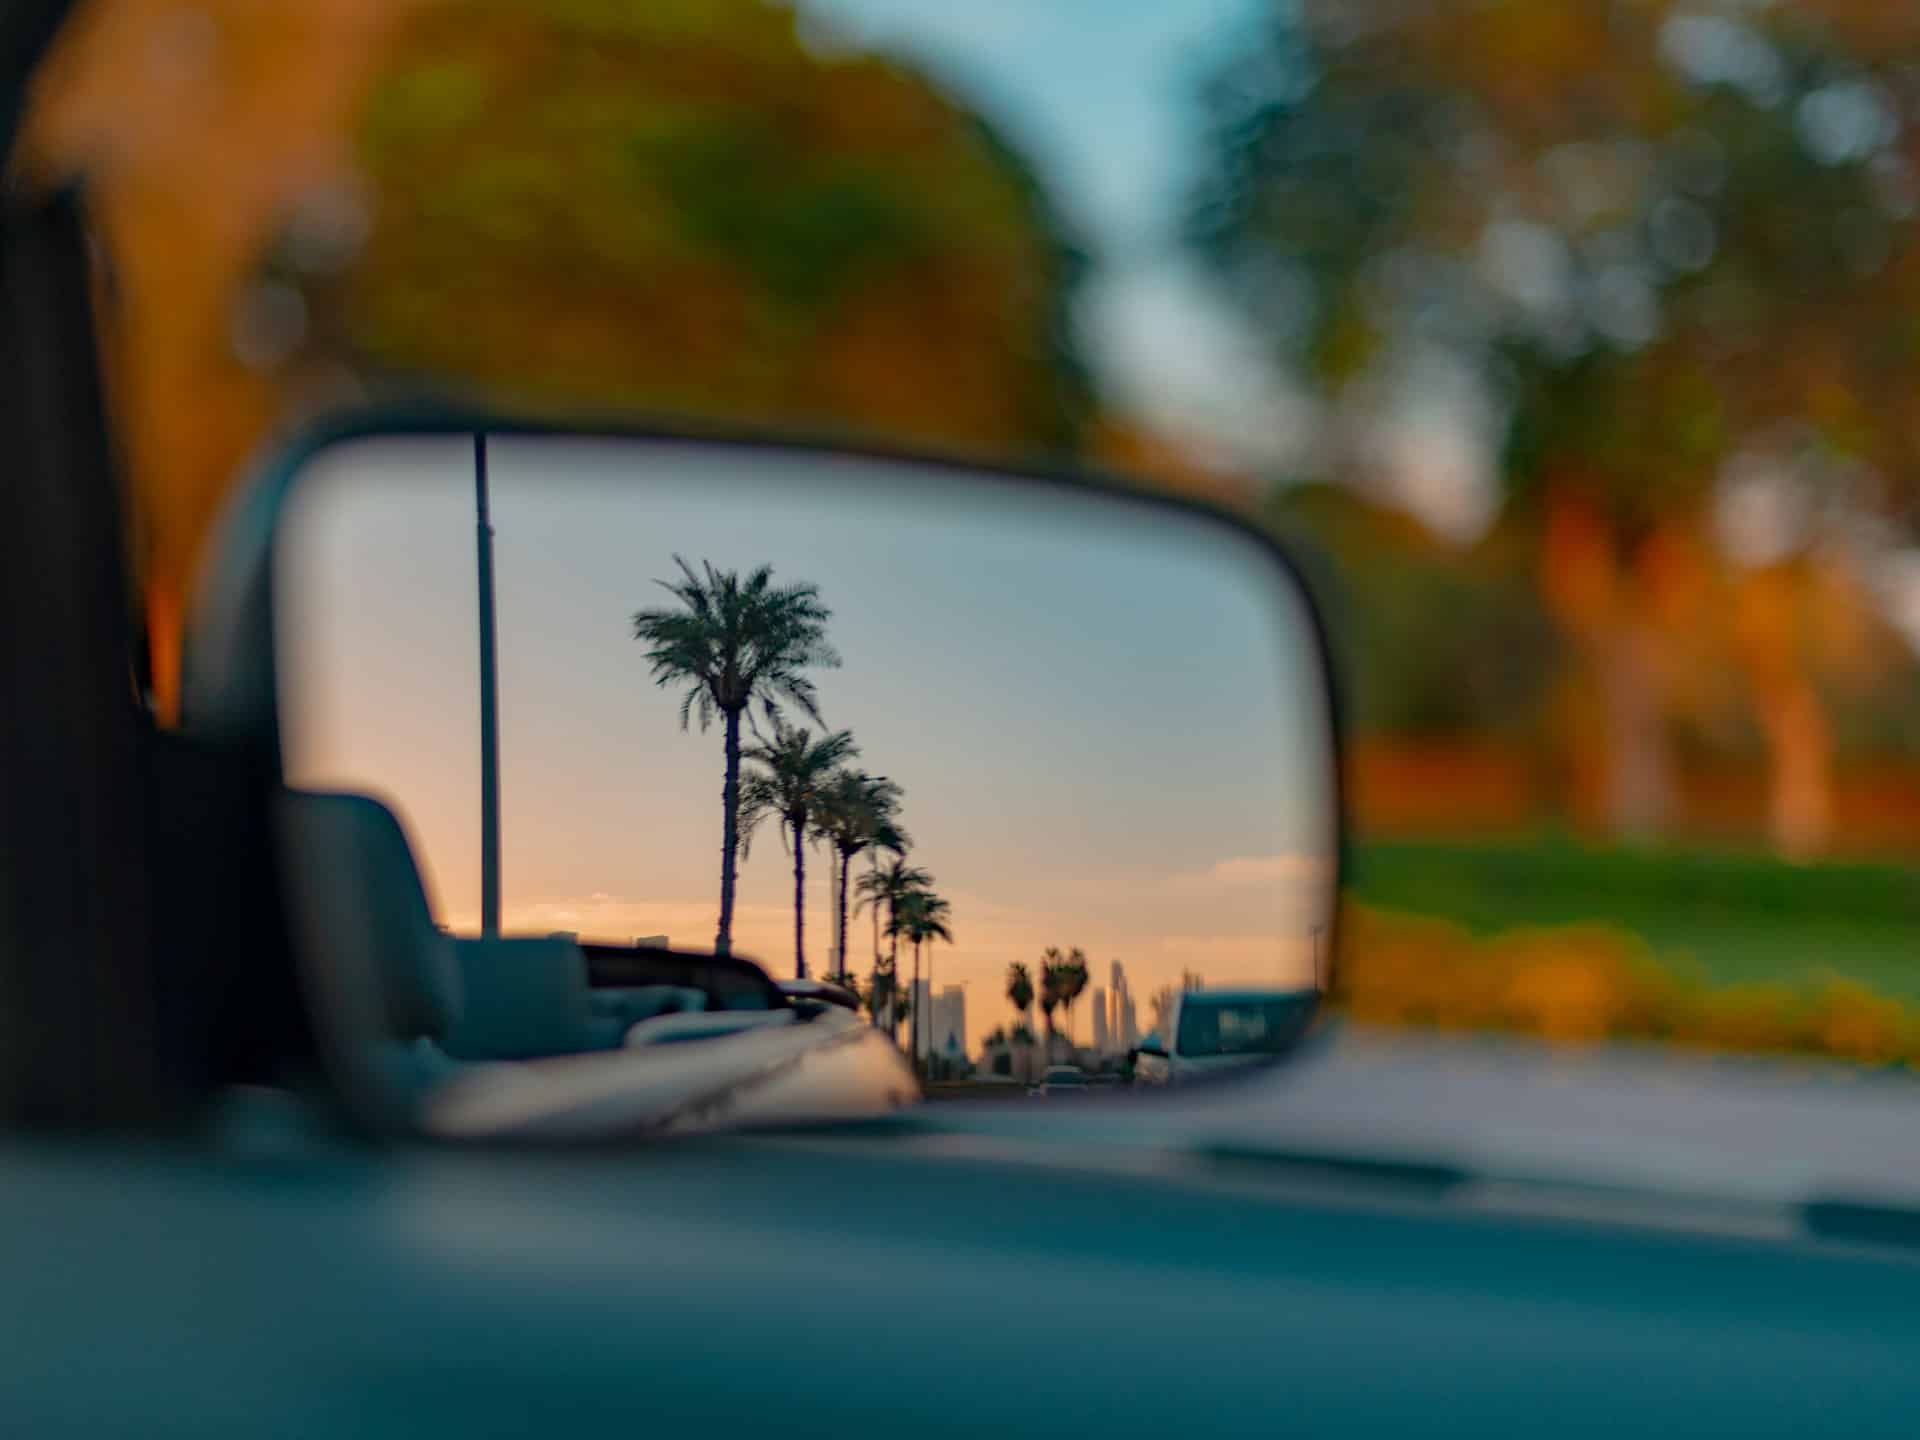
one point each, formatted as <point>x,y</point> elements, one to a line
<point>242,681</point>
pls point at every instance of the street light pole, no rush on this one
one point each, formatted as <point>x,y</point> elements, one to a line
<point>489,703</point>
<point>1318,984</point>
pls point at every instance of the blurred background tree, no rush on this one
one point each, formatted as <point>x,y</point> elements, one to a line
<point>682,207</point>
<point>1658,260</point>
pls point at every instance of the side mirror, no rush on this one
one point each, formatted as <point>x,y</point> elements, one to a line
<point>803,701</point>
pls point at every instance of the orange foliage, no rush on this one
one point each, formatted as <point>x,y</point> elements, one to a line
<point>1131,449</point>
<point>199,127</point>
<point>1587,983</point>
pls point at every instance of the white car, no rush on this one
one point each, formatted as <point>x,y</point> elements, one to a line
<point>1214,1030</point>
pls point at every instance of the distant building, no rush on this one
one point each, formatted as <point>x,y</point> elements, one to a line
<point>1123,1029</point>
<point>651,942</point>
<point>943,1025</point>
<point>1101,1028</point>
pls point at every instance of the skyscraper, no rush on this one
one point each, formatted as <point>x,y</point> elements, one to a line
<point>1122,1027</point>
<point>941,1016</point>
<point>952,1017</point>
<point>1100,1029</point>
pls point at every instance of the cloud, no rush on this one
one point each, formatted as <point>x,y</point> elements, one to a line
<point>1254,872</point>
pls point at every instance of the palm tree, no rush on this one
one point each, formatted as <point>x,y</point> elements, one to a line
<point>1054,984</point>
<point>855,811</point>
<point>1073,983</point>
<point>794,771</point>
<point>886,886</point>
<point>733,642</point>
<point>1020,988</point>
<point>900,1012</point>
<point>923,918</point>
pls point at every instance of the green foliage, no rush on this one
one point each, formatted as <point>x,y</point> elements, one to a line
<point>802,235</point>
<point>684,208</point>
<point>1718,917</point>
<point>1650,256</point>
<point>1429,642</point>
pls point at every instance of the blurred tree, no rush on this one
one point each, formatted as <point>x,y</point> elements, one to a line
<point>1055,980</point>
<point>685,207</point>
<point>680,207</point>
<point>203,132</point>
<point>1434,641</point>
<point>1020,988</point>
<point>1651,239</point>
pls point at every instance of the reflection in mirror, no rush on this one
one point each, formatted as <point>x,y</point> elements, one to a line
<point>878,772</point>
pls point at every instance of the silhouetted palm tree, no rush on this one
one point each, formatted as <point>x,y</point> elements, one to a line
<point>855,812</point>
<point>1020,988</point>
<point>900,1012</point>
<point>733,642</point>
<point>1054,983</point>
<point>794,771</point>
<point>884,888</point>
<point>1073,983</point>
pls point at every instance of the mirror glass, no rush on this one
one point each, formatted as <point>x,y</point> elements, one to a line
<point>990,777</point>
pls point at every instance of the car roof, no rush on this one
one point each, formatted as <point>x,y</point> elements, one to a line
<point>1233,996</point>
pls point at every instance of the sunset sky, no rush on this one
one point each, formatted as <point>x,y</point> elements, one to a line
<point>1106,721</point>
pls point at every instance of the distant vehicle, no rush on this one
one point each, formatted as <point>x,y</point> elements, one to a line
<point>1062,1079</point>
<point>1216,1030</point>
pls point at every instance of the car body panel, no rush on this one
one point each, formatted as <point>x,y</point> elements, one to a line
<point>329,1292</point>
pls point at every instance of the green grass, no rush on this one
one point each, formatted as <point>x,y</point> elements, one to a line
<point>1720,918</point>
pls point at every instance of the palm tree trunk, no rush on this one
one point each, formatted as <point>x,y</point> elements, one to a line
<point>799,901</point>
<point>841,895</point>
<point>729,835</point>
<point>919,1001</point>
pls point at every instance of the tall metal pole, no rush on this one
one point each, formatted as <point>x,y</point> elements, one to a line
<point>489,704</point>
